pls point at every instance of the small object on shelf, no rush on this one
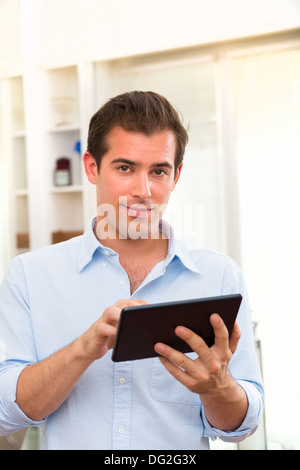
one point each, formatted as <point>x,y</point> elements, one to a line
<point>62,174</point>
<point>22,240</point>
<point>77,148</point>
<point>62,236</point>
<point>64,105</point>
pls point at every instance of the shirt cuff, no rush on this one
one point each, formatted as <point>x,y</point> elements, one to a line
<point>13,419</point>
<point>250,423</point>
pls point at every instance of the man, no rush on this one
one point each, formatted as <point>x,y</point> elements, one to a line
<point>60,306</point>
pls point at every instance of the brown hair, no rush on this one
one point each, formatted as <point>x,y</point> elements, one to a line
<point>140,111</point>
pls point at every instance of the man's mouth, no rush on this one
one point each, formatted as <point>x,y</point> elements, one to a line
<point>138,210</point>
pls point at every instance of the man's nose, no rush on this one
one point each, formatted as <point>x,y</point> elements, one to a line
<point>141,187</point>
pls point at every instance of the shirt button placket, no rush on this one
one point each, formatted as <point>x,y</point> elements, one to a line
<point>122,405</point>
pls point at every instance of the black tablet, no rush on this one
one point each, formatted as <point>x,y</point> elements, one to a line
<point>141,327</point>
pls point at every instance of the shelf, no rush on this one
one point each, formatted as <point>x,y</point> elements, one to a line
<point>23,241</point>
<point>19,134</point>
<point>61,236</point>
<point>21,192</point>
<point>66,189</point>
<point>65,128</point>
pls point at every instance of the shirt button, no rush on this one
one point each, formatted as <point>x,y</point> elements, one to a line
<point>122,380</point>
<point>106,253</point>
<point>121,430</point>
<point>122,283</point>
<point>103,265</point>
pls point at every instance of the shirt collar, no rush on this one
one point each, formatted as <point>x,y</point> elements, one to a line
<point>89,245</point>
<point>177,248</point>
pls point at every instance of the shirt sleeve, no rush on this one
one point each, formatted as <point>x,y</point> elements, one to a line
<point>250,423</point>
<point>244,365</point>
<point>16,336</point>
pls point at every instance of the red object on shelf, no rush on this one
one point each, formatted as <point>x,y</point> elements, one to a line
<point>62,175</point>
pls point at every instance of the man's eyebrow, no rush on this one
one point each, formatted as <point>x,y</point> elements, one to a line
<point>124,160</point>
<point>132,163</point>
<point>163,164</point>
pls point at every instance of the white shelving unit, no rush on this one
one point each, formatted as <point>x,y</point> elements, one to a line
<point>55,212</point>
<point>47,115</point>
<point>63,138</point>
<point>17,139</point>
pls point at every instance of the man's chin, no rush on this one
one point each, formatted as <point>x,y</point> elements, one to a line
<point>138,228</point>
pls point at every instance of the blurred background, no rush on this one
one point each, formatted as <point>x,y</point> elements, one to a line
<point>232,67</point>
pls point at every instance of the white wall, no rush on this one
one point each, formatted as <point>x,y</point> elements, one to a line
<point>101,29</point>
<point>268,149</point>
<point>10,37</point>
<point>70,30</point>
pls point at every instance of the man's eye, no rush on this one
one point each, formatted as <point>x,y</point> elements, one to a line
<point>123,168</point>
<point>159,172</point>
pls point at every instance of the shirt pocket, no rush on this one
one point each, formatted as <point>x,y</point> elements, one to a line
<point>164,387</point>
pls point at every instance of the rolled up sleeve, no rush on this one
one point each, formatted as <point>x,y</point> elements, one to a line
<point>18,350</point>
<point>12,418</point>
<point>251,421</point>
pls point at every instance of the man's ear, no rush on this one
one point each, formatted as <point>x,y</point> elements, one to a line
<point>90,167</point>
<point>178,172</point>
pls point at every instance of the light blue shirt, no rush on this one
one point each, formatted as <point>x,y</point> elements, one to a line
<point>51,296</point>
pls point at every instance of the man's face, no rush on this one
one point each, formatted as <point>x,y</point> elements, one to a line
<point>136,179</point>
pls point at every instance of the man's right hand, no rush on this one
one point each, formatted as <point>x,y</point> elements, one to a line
<point>100,337</point>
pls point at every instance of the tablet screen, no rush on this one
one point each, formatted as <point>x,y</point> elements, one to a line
<point>141,327</point>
